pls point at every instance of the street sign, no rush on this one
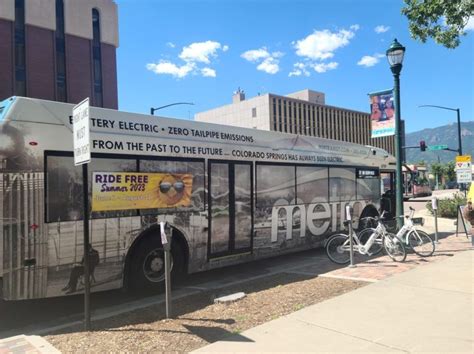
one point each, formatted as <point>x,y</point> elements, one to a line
<point>462,166</point>
<point>463,176</point>
<point>437,147</point>
<point>81,136</point>
<point>463,158</point>
<point>463,169</point>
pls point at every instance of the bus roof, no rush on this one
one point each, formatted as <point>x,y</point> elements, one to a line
<point>118,132</point>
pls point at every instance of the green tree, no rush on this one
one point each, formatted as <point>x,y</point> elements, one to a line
<point>438,170</point>
<point>449,171</point>
<point>442,20</point>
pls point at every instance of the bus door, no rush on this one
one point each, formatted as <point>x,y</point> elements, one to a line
<point>388,192</point>
<point>230,205</point>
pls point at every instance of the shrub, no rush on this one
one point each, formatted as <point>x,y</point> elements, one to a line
<point>448,208</point>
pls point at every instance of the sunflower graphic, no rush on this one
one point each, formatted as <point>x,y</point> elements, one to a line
<point>174,190</point>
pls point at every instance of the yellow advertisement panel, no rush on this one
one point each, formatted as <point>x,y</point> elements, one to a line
<point>131,190</point>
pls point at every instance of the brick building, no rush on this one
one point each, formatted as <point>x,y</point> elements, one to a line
<point>60,50</point>
<point>304,112</point>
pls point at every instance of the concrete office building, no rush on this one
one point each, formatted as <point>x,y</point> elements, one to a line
<point>60,50</point>
<point>303,112</point>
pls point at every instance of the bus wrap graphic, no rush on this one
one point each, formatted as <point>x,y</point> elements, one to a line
<point>125,190</point>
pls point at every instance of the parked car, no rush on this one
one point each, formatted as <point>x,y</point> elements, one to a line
<point>451,185</point>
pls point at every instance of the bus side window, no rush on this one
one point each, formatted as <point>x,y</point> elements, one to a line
<point>64,200</point>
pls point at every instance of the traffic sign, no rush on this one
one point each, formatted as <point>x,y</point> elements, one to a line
<point>463,158</point>
<point>463,166</point>
<point>463,176</point>
<point>463,169</point>
<point>81,136</point>
<point>437,147</point>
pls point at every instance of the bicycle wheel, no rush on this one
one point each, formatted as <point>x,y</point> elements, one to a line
<point>394,247</point>
<point>337,249</point>
<point>421,243</point>
<point>376,247</point>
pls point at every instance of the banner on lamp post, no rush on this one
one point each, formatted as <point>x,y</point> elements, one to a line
<point>382,113</point>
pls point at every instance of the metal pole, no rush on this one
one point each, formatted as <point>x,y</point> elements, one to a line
<point>351,243</point>
<point>434,204</point>
<point>167,250</point>
<point>87,286</point>
<point>459,131</point>
<point>152,110</point>
<point>398,147</point>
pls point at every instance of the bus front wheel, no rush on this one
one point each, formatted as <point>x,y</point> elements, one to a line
<point>147,269</point>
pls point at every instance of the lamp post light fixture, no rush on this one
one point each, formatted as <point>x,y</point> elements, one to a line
<point>395,55</point>
<point>152,110</point>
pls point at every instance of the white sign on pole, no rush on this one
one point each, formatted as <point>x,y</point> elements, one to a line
<point>463,169</point>
<point>463,176</point>
<point>463,166</point>
<point>82,149</point>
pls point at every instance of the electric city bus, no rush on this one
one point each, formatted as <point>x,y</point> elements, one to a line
<point>230,195</point>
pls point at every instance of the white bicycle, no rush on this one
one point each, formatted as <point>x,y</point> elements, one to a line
<point>368,242</point>
<point>418,240</point>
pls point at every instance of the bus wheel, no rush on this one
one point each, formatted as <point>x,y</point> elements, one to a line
<point>147,270</point>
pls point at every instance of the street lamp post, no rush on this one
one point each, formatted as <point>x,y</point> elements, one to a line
<point>458,111</point>
<point>395,56</point>
<point>152,110</point>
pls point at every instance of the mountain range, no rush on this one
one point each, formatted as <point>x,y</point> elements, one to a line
<point>447,135</point>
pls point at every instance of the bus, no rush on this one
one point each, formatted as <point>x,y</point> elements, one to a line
<point>230,195</point>
<point>415,181</point>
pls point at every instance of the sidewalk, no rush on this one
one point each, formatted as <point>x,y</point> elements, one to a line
<point>425,309</point>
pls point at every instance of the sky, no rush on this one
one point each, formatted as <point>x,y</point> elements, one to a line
<point>201,51</point>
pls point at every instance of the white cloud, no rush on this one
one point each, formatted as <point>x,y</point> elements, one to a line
<point>192,55</point>
<point>370,60</point>
<point>269,65</point>
<point>323,67</point>
<point>470,24</point>
<point>299,69</point>
<point>268,62</point>
<point>381,29</point>
<point>201,51</point>
<point>166,67</point>
<point>208,72</point>
<point>321,45</point>
<point>255,55</point>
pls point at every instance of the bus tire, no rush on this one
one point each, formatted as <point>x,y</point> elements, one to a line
<point>147,268</point>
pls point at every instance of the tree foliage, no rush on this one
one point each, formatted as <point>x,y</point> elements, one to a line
<point>443,20</point>
<point>446,170</point>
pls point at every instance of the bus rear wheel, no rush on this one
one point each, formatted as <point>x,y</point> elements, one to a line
<point>147,269</point>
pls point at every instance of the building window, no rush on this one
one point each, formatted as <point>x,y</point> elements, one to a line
<point>274,115</point>
<point>290,120</point>
<point>254,112</point>
<point>97,59</point>
<point>305,121</point>
<point>61,90</point>
<point>279,116</point>
<point>20,55</point>
<point>300,119</point>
